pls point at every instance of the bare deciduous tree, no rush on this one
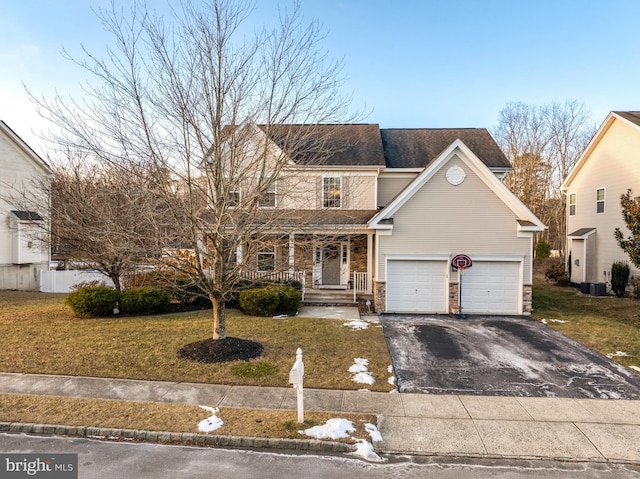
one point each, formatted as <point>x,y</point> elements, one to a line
<point>543,142</point>
<point>193,101</point>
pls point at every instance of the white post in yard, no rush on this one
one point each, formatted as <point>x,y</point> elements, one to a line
<point>295,377</point>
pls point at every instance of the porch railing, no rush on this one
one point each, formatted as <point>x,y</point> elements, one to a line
<point>277,277</point>
<point>360,284</point>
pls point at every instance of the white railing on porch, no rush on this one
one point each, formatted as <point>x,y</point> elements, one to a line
<point>360,284</point>
<point>277,277</point>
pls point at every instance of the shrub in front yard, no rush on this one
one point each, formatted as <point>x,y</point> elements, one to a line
<point>144,300</point>
<point>290,299</point>
<point>93,301</point>
<point>259,302</point>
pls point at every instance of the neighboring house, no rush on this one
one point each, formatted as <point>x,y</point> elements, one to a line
<point>608,167</point>
<point>388,209</point>
<point>24,251</point>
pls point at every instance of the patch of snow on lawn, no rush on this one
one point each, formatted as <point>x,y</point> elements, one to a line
<point>373,432</point>
<point>392,379</point>
<point>211,423</point>
<point>618,354</point>
<point>356,324</point>
<point>547,321</point>
<point>342,428</point>
<point>360,365</point>
<point>360,369</point>
<point>333,429</point>
<point>635,368</point>
<point>364,378</point>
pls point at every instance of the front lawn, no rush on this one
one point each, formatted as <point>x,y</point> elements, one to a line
<point>41,335</point>
<point>605,324</point>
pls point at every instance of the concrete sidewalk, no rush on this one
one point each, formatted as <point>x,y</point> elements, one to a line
<point>451,425</point>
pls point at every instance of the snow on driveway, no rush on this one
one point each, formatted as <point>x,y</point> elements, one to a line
<point>499,356</point>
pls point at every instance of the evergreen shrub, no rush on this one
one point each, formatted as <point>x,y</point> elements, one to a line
<point>144,300</point>
<point>93,301</point>
<point>619,278</point>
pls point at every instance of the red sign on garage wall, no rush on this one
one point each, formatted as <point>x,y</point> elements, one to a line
<point>461,261</point>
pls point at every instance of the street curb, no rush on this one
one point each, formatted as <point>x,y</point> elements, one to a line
<point>177,438</point>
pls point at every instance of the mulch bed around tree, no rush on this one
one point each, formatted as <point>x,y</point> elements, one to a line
<point>221,350</point>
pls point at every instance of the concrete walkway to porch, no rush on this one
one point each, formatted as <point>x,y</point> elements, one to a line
<point>347,313</point>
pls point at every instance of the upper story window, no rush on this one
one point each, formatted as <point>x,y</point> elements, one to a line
<point>233,198</point>
<point>572,204</point>
<point>331,192</point>
<point>600,200</point>
<point>268,198</point>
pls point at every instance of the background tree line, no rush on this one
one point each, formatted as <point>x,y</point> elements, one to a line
<point>543,142</point>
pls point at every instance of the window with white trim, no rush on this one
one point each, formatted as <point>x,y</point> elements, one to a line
<point>268,198</point>
<point>331,192</point>
<point>267,258</point>
<point>230,252</point>
<point>572,204</point>
<point>600,200</point>
<point>233,198</point>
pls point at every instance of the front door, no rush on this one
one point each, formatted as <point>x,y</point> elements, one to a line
<point>331,264</point>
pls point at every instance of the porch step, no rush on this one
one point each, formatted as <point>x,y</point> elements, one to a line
<point>328,297</point>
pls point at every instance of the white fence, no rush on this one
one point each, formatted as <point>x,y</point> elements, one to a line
<point>63,281</point>
<point>360,284</point>
<point>278,276</point>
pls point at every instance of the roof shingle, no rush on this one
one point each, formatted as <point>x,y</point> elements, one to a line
<point>416,148</point>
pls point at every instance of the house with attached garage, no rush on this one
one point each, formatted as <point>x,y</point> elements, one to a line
<point>607,168</point>
<point>386,211</point>
<point>24,251</point>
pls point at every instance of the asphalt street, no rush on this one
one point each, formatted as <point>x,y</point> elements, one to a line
<point>499,356</point>
<point>106,460</point>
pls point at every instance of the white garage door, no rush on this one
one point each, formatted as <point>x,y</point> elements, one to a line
<point>491,287</point>
<point>416,286</point>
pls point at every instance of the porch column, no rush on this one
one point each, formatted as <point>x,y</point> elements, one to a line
<point>370,257</point>
<point>292,253</point>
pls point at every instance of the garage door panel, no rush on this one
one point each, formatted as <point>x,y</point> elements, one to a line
<point>491,287</point>
<point>416,286</point>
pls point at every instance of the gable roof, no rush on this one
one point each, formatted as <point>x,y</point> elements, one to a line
<point>329,145</point>
<point>20,143</point>
<point>366,145</point>
<point>631,118</point>
<point>527,220</point>
<point>417,147</point>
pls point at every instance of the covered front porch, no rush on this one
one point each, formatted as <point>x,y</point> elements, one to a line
<point>323,263</point>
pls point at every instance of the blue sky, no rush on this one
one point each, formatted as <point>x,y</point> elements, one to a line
<point>426,63</point>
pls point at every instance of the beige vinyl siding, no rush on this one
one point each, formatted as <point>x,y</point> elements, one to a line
<point>390,186</point>
<point>303,190</point>
<point>446,219</point>
<point>614,164</point>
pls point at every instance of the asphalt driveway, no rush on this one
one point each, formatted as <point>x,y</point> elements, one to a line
<point>499,356</point>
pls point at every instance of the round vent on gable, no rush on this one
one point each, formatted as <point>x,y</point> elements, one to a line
<point>455,175</point>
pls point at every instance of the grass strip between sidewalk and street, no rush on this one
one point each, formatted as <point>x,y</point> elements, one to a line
<point>263,423</point>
